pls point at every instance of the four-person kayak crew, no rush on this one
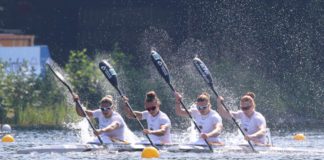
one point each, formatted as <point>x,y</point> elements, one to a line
<point>158,123</point>
<point>112,127</point>
<point>208,120</point>
<point>252,122</point>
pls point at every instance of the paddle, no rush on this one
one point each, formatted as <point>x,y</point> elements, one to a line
<point>111,75</point>
<point>204,72</point>
<point>61,78</point>
<point>164,72</point>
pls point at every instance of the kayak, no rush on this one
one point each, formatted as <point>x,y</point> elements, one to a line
<point>90,147</point>
<point>62,148</point>
<point>169,148</point>
<point>84,148</point>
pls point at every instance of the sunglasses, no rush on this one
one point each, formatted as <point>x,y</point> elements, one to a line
<point>201,107</point>
<point>151,108</point>
<point>245,108</point>
<point>103,109</point>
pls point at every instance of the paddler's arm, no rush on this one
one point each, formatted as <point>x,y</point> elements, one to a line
<point>128,112</point>
<point>215,132</point>
<point>261,132</point>
<point>179,110</point>
<point>221,110</point>
<point>114,125</point>
<point>78,108</point>
<point>159,132</point>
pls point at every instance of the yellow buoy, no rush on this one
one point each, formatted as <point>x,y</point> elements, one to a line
<point>150,152</point>
<point>299,137</point>
<point>8,138</point>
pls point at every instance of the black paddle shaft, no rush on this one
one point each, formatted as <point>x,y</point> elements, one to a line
<point>111,75</point>
<point>78,103</point>
<point>204,72</point>
<point>164,72</point>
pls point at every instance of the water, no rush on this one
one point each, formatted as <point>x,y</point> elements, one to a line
<point>31,138</point>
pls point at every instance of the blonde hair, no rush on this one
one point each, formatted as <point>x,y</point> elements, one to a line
<point>107,99</point>
<point>151,97</point>
<point>204,96</point>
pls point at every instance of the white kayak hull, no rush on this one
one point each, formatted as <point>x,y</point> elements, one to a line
<point>112,147</point>
<point>61,148</point>
<point>81,148</point>
<point>168,148</point>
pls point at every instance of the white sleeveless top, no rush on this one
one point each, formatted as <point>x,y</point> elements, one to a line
<point>118,133</point>
<point>206,123</point>
<point>252,124</point>
<point>154,123</point>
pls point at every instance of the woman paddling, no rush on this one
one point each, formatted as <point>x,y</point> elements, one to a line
<point>252,122</point>
<point>208,120</point>
<point>112,127</point>
<point>158,122</point>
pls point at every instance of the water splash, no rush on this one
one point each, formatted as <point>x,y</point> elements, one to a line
<point>85,134</point>
<point>157,38</point>
<point>57,68</point>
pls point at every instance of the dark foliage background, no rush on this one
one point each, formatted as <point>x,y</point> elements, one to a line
<point>273,48</point>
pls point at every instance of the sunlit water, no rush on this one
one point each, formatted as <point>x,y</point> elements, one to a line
<point>31,138</point>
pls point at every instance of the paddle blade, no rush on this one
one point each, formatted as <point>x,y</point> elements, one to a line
<point>109,73</point>
<point>203,70</point>
<point>160,66</point>
<point>59,76</point>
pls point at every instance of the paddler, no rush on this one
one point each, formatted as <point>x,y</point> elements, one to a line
<point>112,127</point>
<point>252,122</point>
<point>158,123</point>
<point>208,120</point>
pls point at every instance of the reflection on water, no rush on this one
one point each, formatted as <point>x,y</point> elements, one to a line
<point>31,138</point>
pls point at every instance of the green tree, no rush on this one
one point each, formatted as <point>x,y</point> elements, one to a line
<point>83,75</point>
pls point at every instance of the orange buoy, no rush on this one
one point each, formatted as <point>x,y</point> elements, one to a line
<point>8,138</point>
<point>150,152</point>
<point>299,137</point>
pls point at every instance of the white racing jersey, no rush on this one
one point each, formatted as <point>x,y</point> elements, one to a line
<point>206,124</point>
<point>154,123</point>
<point>122,133</point>
<point>252,124</point>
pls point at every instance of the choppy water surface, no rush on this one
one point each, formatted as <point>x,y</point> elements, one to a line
<point>30,138</point>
